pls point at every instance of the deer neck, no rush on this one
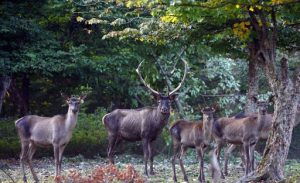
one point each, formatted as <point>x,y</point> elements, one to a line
<point>71,120</point>
<point>162,118</point>
<point>261,120</point>
<point>207,131</point>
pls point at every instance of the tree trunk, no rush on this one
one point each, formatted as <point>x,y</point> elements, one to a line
<point>5,83</point>
<point>25,92</point>
<point>252,79</point>
<point>271,167</point>
<point>18,99</point>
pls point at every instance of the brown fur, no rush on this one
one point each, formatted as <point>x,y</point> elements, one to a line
<point>36,131</point>
<point>246,131</point>
<point>186,134</point>
<point>137,124</point>
<point>243,131</point>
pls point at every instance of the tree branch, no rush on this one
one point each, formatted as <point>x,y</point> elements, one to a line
<point>167,80</point>
<point>254,21</point>
<point>275,29</point>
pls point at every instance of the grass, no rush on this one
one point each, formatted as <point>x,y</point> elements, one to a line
<point>44,168</point>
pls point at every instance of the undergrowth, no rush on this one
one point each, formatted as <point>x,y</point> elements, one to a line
<point>108,173</point>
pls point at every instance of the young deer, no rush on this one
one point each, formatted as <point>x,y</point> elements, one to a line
<point>264,133</point>
<point>40,131</point>
<point>196,135</point>
<point>243,131</point>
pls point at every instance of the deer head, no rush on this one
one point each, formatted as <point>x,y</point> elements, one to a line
<point>74,102</point>
<point>208,113</point>
<point>263,105</point>
<point>164,102</point>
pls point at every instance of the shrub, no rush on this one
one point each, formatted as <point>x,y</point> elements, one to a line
<point>9,141</point>
<point>108,173</point>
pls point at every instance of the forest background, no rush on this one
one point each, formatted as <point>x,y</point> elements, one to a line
<point>90,46</point>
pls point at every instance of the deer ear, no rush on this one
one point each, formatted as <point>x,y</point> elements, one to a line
<point>66,97</point>
<point>272,99</point>
<point>82,98</point>
<point>254,98</point>
<point>213,110</point>
<point>173,96</point>
<point>156,96</point>
<point>202,110</point>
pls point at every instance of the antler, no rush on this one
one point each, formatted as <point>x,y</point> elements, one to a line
<point>143,81</point>
<point>184,75</point>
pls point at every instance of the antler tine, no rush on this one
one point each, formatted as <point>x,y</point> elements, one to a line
<point>143,81</point>
<point>184,75</point>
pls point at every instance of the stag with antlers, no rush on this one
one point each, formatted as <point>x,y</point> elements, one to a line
<point>143,124</point>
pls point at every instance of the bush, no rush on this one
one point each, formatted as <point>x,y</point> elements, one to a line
<point>89,138</point>
<point>9,141</point>
<point>108,173</point>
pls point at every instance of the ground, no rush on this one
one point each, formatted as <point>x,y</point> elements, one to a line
<point>44,168</point>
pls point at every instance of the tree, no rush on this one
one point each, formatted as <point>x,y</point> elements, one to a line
<point>262,26</point>
<point>263,31</point>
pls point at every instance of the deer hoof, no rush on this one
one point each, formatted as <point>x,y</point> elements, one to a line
<point>146,174</point>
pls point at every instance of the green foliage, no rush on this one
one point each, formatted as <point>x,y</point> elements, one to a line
<point>89,137</point>
<point>9,141</point>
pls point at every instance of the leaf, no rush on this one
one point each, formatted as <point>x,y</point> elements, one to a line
<point>251,9</point>
<point>79,19</point>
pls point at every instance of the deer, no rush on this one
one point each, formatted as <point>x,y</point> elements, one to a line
<point>37,131</point>
<point>187,134</point>
<point>243,131</point>
<point>264,133</point>
<point>142,124</point>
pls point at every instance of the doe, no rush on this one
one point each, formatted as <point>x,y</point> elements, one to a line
<point>40,131</point>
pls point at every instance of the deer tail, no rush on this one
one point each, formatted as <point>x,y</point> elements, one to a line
<point>175,131</point>
<point>104,118</point>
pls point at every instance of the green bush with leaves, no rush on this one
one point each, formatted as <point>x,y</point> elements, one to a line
<point>89,138</point>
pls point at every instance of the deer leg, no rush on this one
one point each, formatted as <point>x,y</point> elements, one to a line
<point>146,154</point>
<point>247,157</point>
<point>251,155</point>
<point>217,151</point>
<point>150,149</point>
<point>112,140</point>
<point>31,151</point>
<point>24,157</point>
<point>201,164</point>
<point>182,152</point>
<point>56,159</point>
<point>176,149</point>
<point>227,152</point>
<point>61,150</point>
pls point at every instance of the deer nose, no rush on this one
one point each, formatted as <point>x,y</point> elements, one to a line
<point>164,110</point>
<point>75,110</point>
